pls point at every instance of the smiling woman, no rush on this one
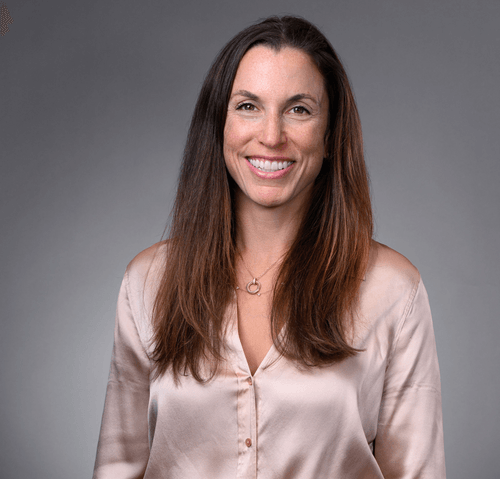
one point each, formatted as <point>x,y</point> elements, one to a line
<point>274,137</point>
<point>323,364</point>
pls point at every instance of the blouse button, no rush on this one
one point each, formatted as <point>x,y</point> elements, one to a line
<point>249,381</point>
<point>248,442</point>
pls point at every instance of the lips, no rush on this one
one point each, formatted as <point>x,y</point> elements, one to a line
<point>269,166</point>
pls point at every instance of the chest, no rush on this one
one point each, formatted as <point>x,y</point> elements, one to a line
<point>282,410</point>
<point>254,327</point>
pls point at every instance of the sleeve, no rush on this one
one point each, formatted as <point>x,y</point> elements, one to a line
<point>409,441</point>
<point>123,448</point>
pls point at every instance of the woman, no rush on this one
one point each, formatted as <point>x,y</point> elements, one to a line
<point>270,337</point>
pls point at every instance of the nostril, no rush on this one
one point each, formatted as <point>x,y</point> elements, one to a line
<point>273,139</point>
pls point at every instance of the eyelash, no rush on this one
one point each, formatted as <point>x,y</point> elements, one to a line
<point>304,109</point>
<point>244,106</point>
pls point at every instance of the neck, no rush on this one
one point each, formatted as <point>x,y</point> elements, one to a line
<point>264,234</point>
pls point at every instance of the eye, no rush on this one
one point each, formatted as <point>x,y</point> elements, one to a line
<point>246,107</point>
<point>300,110</point>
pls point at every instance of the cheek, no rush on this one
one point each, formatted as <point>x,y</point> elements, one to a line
<point>230,148</point>
<point>234,134</point>
<point>320,138</point>
<point>312,141</point>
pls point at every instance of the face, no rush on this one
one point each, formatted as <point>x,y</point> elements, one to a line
<point>274,136</point>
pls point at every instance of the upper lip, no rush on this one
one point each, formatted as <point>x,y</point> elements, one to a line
<point>269,158</point>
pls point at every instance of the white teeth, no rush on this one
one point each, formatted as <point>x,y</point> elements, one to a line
<point>268,166</point>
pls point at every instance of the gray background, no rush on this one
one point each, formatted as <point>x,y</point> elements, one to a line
<point>96,98</point>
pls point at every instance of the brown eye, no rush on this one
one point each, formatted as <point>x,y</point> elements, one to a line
<point>246,107</point>
<point>300,110</point>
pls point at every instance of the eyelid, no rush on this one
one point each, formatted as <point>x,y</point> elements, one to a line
<point>306,110</point>
<point>244,103</point>
<point>241,105</point>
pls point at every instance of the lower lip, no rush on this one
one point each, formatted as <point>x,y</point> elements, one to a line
<point>273,175</point>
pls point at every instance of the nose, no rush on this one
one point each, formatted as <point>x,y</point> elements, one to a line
<point>272,134</point>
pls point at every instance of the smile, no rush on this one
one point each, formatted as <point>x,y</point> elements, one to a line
<point>269,166</point>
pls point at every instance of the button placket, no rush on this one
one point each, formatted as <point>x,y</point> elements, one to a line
<point>247,426</point>
<point>251,441</point>
<point>251,399</point>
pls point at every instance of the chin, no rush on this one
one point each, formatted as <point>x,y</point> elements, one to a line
<point>269,201</point>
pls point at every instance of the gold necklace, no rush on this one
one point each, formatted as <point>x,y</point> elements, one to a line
<point>253,287</point>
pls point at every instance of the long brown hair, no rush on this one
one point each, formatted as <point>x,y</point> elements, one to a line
<point>318,282</point>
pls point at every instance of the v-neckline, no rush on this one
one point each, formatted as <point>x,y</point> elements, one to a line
<point>238,346</point>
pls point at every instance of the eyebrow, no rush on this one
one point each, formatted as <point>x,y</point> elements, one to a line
<point>246,93</point>
<point>299,96</point>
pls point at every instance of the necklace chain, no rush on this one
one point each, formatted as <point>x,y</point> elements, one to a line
<point>253,287</point>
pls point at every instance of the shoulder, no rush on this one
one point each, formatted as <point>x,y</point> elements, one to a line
<point>148,262</point>
<point>144,273</point>
<point>387,292</point>
<point>146,258</point>
<point>390,282</point>
<point>139,287</point>
<point>388,266</point>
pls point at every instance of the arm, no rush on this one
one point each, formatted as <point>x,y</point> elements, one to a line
<point>123,449</point>
<point>409,442</point>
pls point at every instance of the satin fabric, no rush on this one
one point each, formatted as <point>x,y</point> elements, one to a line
<point>375,415</point>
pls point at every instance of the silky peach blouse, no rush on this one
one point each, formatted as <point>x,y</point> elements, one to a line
<point>375,415</point>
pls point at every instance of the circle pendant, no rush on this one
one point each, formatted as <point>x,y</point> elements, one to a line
<point>253,284</point>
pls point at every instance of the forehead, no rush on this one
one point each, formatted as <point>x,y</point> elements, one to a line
<point>288,70</point>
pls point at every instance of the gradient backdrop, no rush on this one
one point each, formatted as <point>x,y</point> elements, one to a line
<point>95,101</point>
